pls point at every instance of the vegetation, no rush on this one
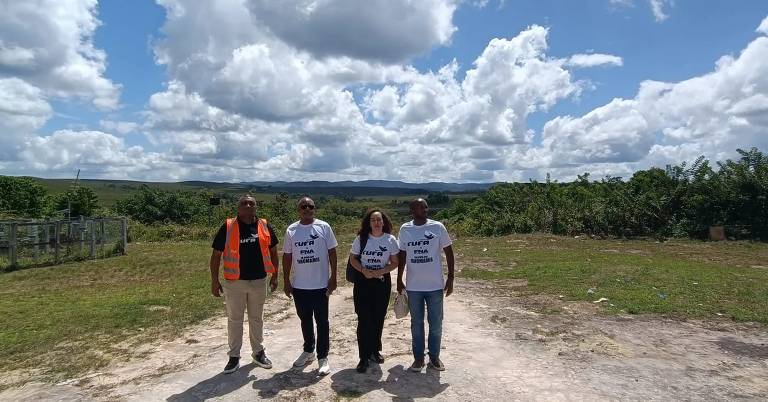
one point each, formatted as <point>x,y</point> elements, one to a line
<point>21,196</point>
<point>680,201</point>
<point>680,278</point>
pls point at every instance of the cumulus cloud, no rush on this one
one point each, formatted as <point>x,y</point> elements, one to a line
<point>122,127</point>
<point>379,30</point>
<point>23,110</point>
<point>49,44</point>
<point>710,115</point>
<point>250,99</point>
<point>594,60</point>
<point>763,28</point>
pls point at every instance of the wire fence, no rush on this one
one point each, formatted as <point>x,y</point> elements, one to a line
<point>27,243</point>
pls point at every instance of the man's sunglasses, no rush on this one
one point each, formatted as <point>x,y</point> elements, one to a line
<point>307,206</point>
<point>247,204</point>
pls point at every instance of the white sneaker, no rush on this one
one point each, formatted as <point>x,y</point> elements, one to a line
<point>324,368</point>
<point>304,359</point>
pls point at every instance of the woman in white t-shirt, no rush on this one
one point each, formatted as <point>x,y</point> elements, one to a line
<point>373,283</point>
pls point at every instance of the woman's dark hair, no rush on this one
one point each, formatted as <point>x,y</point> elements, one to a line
<point>365,225</point>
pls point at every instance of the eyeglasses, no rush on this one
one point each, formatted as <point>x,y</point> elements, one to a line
<point>247,203</point>
<point>307,206</point>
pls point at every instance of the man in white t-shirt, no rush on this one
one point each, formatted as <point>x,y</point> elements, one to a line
<point>309,249</point>
<point>422,242</point>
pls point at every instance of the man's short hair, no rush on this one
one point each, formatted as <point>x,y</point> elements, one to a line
<point>244,196</point>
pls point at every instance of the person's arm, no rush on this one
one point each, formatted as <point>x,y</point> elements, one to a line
<point>287,262</point>
<point>392,265</point>
<point>449,259</point>
<point>215,262</point>
<point>332,283</point>
<point>400,270</point>
<point>355,262</point>
<point>276,263</point>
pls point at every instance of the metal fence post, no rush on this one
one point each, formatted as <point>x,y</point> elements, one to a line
<point>12,244</point>
<point>34,232</point>
<point>124,237</point>
<point>80,228</point>
<point>92,246</point>
<point>57,233</point>
<point>47,234</point>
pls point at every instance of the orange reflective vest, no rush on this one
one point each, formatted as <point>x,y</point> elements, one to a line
<point>231,254</point>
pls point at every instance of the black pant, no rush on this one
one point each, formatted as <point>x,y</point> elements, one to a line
<point>371,301</point>
<point>310,303</point>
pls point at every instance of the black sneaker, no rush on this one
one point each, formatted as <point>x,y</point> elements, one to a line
<point>376,357</point>
<point>262,360</point>
<point>362,367</point>
<point>232,365</point>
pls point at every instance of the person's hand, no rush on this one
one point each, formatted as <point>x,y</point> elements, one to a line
<point>367,273</point>
<point>400,285</point>
<point>449,286</point>
<point>273,283</point>
<point>288,290</point>
<point>331,285</point>
<point>216,289</point>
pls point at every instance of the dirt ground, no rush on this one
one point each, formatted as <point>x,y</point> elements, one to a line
<point>497,345</point>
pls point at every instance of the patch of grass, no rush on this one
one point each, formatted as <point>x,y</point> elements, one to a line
<point>686,279</point>
<point>68,318</point>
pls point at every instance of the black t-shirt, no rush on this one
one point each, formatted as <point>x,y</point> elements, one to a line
<point>251,262</point>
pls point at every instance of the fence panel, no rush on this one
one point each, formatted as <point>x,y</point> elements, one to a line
<point>25,243</point>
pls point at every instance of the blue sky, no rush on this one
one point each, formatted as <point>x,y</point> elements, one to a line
<point>231,89</point>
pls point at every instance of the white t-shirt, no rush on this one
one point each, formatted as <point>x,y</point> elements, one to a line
<point>377,250</point>
<point>308,246</point>
<point>423,246</point>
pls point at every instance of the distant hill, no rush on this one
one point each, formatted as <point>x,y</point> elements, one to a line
<point>429,186</point>
<point>110,191</point>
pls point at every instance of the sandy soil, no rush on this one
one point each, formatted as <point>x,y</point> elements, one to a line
<point>496,346</point>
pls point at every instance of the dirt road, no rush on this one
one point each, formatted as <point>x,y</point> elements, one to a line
<point>496,347</point>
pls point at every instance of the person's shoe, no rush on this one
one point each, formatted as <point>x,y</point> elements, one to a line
<point>417,365</point>
<point>436,364</point>
<point>362,367</point>
<point>376,357</point>
<point>323,367</point>
<point>304,359</point>
<point>262,360</point>
<point>232,365</point>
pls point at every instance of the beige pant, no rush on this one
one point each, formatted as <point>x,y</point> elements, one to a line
<point>238,295</point>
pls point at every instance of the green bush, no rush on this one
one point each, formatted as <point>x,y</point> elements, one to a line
<point>677,201</point>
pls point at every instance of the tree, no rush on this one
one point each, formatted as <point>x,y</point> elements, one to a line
<point>81,200</point>
<point>21,196</point>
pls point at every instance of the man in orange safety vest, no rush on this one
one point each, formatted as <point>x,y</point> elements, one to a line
<point>247,246</point>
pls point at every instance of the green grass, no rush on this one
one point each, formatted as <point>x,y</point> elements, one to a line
<point>685,279</point>
<point>65,318</point>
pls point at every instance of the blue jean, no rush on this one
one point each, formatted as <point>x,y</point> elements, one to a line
<point>434,302</point>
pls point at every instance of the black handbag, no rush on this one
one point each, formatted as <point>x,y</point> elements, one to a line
<point>352,274</point>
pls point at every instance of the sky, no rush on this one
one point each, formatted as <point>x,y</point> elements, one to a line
<point>411,90</point>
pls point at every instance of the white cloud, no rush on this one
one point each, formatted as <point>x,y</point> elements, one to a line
<point>49,44</point>
<point>594,60</point>
<point>245,102</point>
<point>23,110</point>
<point>763,28</point>
<point>122,127</point>
<point>711,115</point>
<point>658,9</point>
